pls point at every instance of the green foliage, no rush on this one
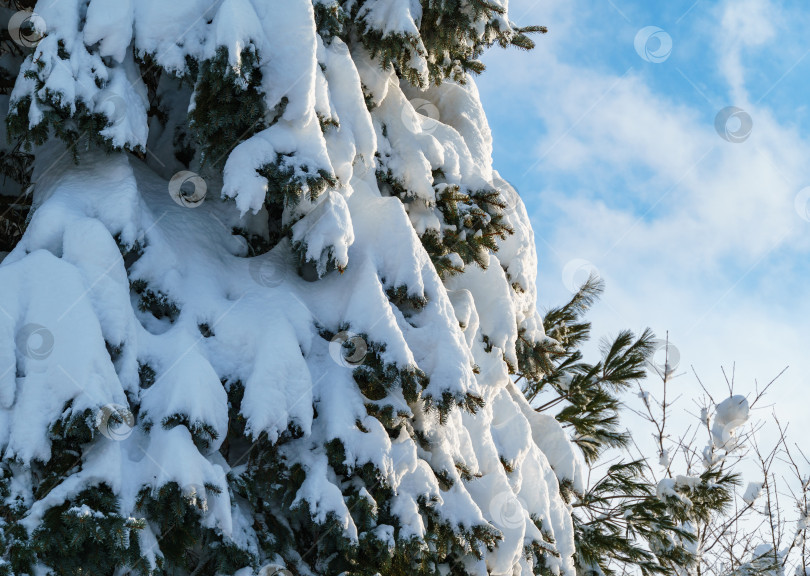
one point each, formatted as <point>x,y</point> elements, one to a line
<point>65,537</point>
<point>547,363</point>
<point>228,106</point>
<point>475,222</point>
<point>452,35</point>
<point>14,211</point>
<point>16,163</point>
<point>308,267</point>
<point>619,521</point>
<point>87,536</point>
<point>289,182</point>
<point>155,302</point>
<point>712,493</point>
<point>406,302</point>
<point>587,394</point>
<point>176,517</point>
<point>146,375</point>
<point>330,19</point>
<point>17,553</point>
<point>592,405</point>
<point>67,435</point>
<point>77,126</point>
<point>202,433</point>
<point>288,528</point>
<point>376,378</point>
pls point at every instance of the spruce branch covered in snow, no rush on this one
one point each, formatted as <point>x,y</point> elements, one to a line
<point>271,297</point>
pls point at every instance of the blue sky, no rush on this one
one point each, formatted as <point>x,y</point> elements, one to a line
<point>621,169</point>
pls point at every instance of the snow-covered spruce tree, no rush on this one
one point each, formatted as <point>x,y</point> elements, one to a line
<point>269,299</point>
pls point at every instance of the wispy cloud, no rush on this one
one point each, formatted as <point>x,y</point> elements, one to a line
<point>744,25</point>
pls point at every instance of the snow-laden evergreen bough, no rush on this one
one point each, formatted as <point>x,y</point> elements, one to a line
<point>271,298</point>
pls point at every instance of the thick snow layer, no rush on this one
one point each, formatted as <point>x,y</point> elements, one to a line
<point>326,230</point>
<point>73,336</point>
<point>752,492</point>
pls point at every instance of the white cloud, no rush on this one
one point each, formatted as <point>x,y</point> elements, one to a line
<point>685,227</point>
<point>743,24</point>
